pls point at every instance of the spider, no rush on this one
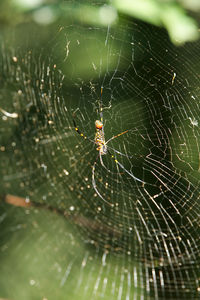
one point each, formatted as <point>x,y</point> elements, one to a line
<point>103,149</point>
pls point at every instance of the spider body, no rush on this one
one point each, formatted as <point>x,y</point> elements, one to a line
<point>103,149</point>
<point>100,138</point>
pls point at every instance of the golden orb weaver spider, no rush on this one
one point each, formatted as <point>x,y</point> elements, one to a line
<point>102,148</point>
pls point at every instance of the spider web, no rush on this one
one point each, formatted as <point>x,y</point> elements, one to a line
<point>146,243</point>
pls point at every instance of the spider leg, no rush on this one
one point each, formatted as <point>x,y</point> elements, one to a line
<point>95,186</point>
<point>128,172</point>
<point>101,110</point>
<point>118,152</point>
<point>115,136</point>
<point>79,132</point>
<point>100,106</point>
<point>103,165</point>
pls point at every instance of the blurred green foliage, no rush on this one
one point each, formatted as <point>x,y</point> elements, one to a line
<point>170,14</point>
